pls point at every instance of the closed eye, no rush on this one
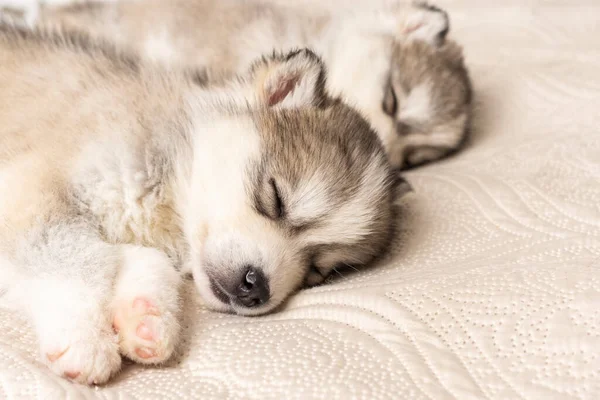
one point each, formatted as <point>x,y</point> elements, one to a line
<point>315,270</point>
<point>278,206</point>
<point>390,102</point>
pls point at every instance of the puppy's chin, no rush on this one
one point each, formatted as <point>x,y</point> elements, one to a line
<point>252,312</point>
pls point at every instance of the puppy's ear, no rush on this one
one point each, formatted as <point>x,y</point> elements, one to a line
<point>291,80</point>
<point>426,23</point>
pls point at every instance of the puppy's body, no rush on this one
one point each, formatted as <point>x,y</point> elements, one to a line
<point>70,198</point>
<point>113,171</point>
<point>420,114</point>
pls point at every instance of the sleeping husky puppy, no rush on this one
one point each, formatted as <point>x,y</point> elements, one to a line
<point>114,171</point>
<point>394,64</point>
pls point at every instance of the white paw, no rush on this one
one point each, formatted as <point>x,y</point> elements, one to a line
<point>85,356</point>
<point>147,334</point>
<point>146,305</point>
<point>73,329</point>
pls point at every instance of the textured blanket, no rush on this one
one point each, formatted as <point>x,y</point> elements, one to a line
<point>493,290</point>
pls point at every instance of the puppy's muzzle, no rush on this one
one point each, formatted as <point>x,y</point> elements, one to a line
<point>248,289</point>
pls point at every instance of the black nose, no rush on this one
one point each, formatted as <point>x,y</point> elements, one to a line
<point>253,289</point>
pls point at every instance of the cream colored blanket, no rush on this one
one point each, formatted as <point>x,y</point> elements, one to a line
<point>494,289</point>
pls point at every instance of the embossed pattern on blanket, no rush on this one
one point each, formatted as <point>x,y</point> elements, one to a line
<point>494,288</point>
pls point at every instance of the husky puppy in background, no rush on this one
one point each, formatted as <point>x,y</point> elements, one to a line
<point>115,171</point>
<point>394,64</point>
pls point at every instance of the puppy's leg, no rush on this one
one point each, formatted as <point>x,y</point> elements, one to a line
<point>64,282</point>
<point>146,305</point>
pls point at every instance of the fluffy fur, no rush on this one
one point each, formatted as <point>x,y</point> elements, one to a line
<point>115,172</point>
<point>394,64</point>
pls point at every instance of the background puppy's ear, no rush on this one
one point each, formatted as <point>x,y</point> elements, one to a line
<point>292,80</point>
<point>425,22</point>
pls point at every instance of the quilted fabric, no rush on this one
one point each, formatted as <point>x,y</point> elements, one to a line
<point>493,290</point>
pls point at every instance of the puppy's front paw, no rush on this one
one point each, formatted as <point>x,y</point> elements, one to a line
<point>146,306</point>
<point>147,334</point>
<point>82,355</point>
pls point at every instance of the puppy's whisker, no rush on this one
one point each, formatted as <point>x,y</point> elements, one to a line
<point>339,273</point>
<point>351,266</point>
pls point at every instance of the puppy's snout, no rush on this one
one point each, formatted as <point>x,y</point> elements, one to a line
<point>253,288</point>
<point>247,288</point>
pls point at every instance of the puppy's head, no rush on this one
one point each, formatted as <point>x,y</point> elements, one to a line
<point>428,91</point>
<point>408,79</point>
<point>287,184</point>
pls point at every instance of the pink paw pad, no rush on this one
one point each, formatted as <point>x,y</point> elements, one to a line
<point>56,355</point>
<point>145,352</point>
<point>141,330</point>
<point>144,332</point>
<point>72,374</point>
<point>144,306</point>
